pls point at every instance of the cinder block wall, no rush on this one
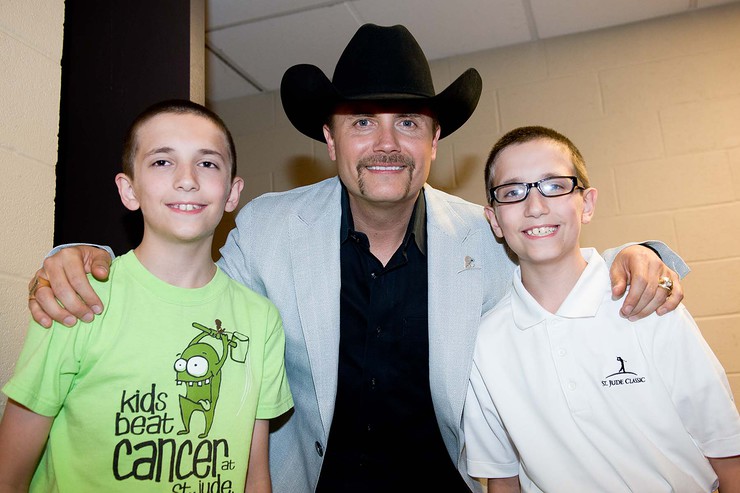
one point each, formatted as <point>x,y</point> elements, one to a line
<point>653,106</point>
<point>30,54</point>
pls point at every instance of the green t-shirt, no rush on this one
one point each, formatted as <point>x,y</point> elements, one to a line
<point>160,392</point>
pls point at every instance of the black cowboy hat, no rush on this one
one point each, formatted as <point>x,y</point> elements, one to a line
<point>379,64</point>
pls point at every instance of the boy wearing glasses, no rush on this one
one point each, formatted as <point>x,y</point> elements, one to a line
<point>564,394</point>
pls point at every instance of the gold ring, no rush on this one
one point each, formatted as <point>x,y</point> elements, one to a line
<point>38,282</point>
<point>666,283</point>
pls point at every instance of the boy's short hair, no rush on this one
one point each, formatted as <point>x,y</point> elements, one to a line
<point>521,135</point>
<point>178,107</point>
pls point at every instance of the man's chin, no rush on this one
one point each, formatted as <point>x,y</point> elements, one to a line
<point>389,197</point>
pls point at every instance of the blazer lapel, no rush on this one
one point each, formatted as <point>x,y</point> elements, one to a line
<point>455,300</point>
<point>315,257</point>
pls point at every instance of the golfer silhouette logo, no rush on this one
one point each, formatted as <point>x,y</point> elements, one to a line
<point>622,377</point>
<point>621,371</point>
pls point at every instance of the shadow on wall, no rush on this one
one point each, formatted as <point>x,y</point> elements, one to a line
<point>469,173</point>
<point>222,231</point>
<point>305,170</point>
<point>463,177</point>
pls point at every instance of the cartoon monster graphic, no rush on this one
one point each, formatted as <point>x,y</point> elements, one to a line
<point>199,368</point>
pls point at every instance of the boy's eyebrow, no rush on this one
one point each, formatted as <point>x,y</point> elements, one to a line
<point>158,150</point>
<point>518,179</point>
<point>166,150</point>
<point>207,152</point>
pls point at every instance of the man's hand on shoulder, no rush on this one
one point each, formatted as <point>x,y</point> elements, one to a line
<point>64,278</point>
<point>642,269</point>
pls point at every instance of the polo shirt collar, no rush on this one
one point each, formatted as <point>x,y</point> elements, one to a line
<point>583,301</point>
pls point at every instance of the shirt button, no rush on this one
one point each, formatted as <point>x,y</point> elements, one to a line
<point>572,386</point>
<point>378,330</point>
<point>372,383</point>
<point>319,449</point>
<point>562,352</point>
<point>373,275</point>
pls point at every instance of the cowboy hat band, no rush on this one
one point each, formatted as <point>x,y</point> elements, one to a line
<point>379,64</point>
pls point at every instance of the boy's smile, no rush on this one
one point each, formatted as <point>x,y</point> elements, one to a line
<point>541,231</point>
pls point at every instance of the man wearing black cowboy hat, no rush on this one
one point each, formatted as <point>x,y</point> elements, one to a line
<point>380,279</point>
<point>398,278</point>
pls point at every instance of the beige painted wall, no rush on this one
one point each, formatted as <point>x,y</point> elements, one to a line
<point>653,106</point>
<point>30,54</point>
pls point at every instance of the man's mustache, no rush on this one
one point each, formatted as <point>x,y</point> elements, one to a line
<point>386,159</point>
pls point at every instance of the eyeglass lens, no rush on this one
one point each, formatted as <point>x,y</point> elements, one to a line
<point>549,187</point>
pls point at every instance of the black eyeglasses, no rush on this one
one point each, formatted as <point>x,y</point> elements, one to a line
<point>554,186</point>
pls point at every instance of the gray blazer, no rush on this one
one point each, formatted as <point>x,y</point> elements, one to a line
<point>286,247</point>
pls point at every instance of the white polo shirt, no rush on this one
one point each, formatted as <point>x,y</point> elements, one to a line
<point>593,402</point>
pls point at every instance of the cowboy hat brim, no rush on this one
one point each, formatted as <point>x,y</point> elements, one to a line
<point>309,98</point>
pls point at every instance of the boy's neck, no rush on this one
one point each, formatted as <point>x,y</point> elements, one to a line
<point>551,283</point>
<point>185,265</point>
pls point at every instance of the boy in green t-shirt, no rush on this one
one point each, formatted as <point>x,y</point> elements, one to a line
<point>171,389</point>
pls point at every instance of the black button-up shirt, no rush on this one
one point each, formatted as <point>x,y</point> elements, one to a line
<point>384,422</point>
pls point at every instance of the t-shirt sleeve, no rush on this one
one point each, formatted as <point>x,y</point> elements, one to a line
<point>50,360</point>
<point>490,453</point>
<point>697,384</point>
<point>47,367</point>
<point>275,397</point>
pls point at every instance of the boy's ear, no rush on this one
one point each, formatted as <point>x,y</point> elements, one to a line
<point>491,215</point>
<point>589,205</point>
<point>126,191</point>
<point>232,201</point>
